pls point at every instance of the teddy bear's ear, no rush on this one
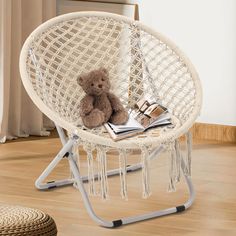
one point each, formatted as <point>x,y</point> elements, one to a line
<point>104,70</point>
<point>80,80</point>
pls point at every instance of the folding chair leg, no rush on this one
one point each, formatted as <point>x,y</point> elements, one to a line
<point>63,152</point>
<point>132,219</point>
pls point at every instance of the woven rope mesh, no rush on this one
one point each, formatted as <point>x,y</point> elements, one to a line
<point>138,64</point>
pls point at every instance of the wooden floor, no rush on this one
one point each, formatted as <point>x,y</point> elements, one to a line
<point>214,177</point>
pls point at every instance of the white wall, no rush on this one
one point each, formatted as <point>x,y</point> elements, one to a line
<point>206,31</point>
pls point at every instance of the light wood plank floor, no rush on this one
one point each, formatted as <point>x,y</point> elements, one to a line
<point>214,177</point>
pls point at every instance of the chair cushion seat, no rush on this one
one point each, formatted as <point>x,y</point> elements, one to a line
<point>20,221</point>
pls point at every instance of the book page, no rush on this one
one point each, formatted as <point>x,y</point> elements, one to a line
<point>131,124</point>
<point>163,119</point>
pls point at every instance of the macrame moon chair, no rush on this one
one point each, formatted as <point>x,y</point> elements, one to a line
<point>141,62</point>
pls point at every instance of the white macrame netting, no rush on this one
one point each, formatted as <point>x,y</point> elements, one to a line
<point>140,62</point>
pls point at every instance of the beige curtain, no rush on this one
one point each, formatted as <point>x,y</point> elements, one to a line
<point>19,117</point>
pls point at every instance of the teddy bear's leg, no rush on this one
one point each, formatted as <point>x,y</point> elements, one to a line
<point>94,119</point>
<point>119,117</point>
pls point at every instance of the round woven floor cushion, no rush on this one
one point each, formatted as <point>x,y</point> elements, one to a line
<point>20,221</point>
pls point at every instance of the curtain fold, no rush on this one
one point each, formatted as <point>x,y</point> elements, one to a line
<point>19,117</point>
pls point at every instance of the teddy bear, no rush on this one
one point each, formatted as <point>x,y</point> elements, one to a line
<point>99,105</point>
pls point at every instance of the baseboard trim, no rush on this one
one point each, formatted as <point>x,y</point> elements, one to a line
<point>222,133</point>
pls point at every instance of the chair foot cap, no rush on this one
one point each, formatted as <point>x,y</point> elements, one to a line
<point>180,208</point>
<point>117,223</point>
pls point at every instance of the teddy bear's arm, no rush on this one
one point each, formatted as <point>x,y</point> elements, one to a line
<point>86,105</point>
<point>115,102</point>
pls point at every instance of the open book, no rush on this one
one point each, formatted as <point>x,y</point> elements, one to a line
<point>142,118</point>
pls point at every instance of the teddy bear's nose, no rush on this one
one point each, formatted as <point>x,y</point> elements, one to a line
<point>100,85</point>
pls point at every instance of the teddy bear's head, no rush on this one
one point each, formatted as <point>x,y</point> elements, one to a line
<point>95,82</point>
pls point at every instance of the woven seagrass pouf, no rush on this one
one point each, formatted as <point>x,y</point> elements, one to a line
<point>22,221</point>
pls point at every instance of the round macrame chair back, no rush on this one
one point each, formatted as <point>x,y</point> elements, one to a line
<point>140,62</point>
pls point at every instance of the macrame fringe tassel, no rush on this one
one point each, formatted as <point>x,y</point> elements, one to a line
<point>172,169</point>
<point>91,182</point>
<point>122,167</point>
<point>145,171</point>
<point>102,171</point>
<point>178,161</point>
<point>188,156</point>
<point>76,158</point>
<point>175,159</point>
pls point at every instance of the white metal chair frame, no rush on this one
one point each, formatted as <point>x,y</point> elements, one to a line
<point>36,64</point>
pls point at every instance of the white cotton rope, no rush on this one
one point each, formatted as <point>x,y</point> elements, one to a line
<point>188,156</point>
<point>145,171</point>
<point>175,156</point>
<point>102,170</point>
<point>178,160</point>
<point>123,171</point>
<point>172,168</point>
<point>91,172</point>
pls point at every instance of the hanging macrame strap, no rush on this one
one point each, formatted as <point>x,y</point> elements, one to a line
<point>177,160</point>
<point>145,152</point>
<point>102,170</point>
<point>76,158</point>
<point>174,164</point>
<point>188,155</point>
<point>122,167</point>
<point>75,153</point>
<point>91,182</point>
<point>172,167</point>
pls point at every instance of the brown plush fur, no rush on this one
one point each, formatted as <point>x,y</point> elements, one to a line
<point>99,105</point>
